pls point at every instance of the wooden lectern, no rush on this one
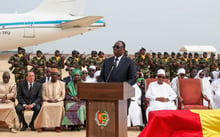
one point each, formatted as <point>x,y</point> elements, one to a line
<point>106,108</point>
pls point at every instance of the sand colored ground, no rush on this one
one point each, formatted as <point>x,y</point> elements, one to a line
<point>132,132</point>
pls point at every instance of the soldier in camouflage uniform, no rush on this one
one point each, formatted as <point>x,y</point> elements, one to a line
<point>56,61</point>
<point>74,61</point>
<point>38,63</point>
<point>212,63</point>
<point>143,63</point>
<point>153,66</point>
<point>165,64</point>
<point>195,62</point>
<point>172,61</point>
<point>177,63</point>
<point>99,60</point>
<point>204,62</point>
<point>19,62</point>
<point>185,63</point>
<point>92,60</point>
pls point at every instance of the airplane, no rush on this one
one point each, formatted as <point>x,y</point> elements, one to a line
<point>51,20</point>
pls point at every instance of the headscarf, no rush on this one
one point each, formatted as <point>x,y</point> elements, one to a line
<point>70,85</point>
<point>197,75</point>
<point>215,75</point>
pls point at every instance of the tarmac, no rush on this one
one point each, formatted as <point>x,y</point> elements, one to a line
<point>132,132</point>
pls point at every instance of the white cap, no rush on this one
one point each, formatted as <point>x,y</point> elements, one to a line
<point>84,69</point>
<point>97,73</point>
<point>92,67</point>
<point>181,71</point>
<point>161,72</point>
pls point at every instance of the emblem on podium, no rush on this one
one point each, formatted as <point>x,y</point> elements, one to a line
<point>102,118</point>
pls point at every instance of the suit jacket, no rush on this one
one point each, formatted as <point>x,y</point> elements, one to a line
<point>42,80</point>
<point>125,71</point>
<point>67,79</point>
<point>25,96</point>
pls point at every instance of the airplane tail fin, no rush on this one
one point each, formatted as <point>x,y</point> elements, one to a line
<point>61,7</point>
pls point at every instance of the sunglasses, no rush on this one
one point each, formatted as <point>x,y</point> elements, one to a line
<point>161,77</point>
<point>182,75</point>
<point>91,70</point>
<point>84,73</point>
<point>117,47</point>
<point>201,74</point>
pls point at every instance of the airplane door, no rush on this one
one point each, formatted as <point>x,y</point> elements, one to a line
<point>29,31</point>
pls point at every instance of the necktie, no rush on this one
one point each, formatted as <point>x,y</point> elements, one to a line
<point>30,87</point>
<point>116,62</point>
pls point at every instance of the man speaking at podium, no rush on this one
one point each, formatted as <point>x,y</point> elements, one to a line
<point>119,68</point>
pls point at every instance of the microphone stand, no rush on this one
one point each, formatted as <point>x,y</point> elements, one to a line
<point>109,74</point>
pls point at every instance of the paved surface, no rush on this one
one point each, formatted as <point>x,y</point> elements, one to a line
<point>51,133</point>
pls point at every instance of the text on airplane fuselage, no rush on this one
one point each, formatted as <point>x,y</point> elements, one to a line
<point>5,33</point>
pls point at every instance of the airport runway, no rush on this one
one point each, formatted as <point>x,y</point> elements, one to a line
<point>132,132</point>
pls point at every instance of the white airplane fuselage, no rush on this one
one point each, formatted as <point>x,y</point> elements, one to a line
<point>28,29</point>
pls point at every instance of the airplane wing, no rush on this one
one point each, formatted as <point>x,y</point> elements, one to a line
<point>82,22</point>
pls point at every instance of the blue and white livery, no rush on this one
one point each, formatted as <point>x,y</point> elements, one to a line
<point>51,20</point>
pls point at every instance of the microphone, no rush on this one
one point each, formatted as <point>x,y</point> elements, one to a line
<point>109,74</point>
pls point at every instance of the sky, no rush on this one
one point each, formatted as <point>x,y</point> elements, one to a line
<point>156,25</point>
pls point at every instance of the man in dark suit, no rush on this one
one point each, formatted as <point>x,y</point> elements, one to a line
<point>29,97</point>
<point>46,78</point>
<point>119,68</point>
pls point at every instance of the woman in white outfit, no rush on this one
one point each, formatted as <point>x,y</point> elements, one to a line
<point>216,89</point>
<point>135,115</point>
<point>206,88</point>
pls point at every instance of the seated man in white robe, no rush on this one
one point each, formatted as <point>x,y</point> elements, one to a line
<point>7,105</point>
<point>52,110</point>
<point>160,94</point>
<point>134,117</point>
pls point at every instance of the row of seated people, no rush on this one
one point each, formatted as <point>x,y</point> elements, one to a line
<point>47,102</point>
<point>183,92</point>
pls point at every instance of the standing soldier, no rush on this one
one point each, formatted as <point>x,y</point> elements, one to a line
<point>19,63</point>
<point>172,61</point>
<point>75,61</point>
<point>143,63</point>
<point>92,59</point>
<point>153,66</point>
<point>204,62</point>
<point>185,62</point>
<point>38,63</point>
<point>213,63</point>
<point>56,61</point>
<point>166,64</point>
<point>195,61</point>
<point>99,60</point>
<point>178,63</point>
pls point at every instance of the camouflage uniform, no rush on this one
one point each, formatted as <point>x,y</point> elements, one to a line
<point>99,62</point>
<point>74,61</point>
<point>20,70</point>
<point>166,66</point>
<point>143,65</point>
<point>39,70</point>
<point>185,62</point>
<point>153,68</point>
<point>204,63</point>
<point>91,61</point>
<point>58,62</point>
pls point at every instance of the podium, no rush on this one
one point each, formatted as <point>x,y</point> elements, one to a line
<point>106,108</point>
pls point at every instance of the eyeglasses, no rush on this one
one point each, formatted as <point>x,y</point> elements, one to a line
<point>118,47</point>
<point>161,77</point>
<point>201,74</point>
